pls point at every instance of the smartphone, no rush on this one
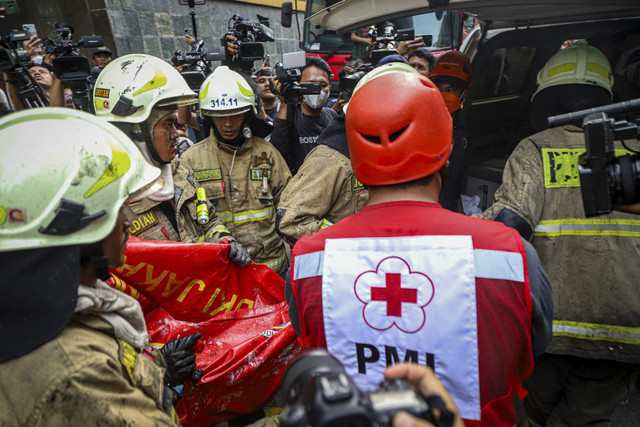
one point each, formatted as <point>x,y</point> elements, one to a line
<point>30,29</point>
<point>294,60</point>
<point>405,34</point>
<point>10,7</point>
<point>427,39</point>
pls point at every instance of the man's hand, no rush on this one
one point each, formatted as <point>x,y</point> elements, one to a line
<point>189,40</point>
<point>232,44</point>
<point>425,381</point>
<point>239,255</point>
<point>181,360</point>
<point>407,46</point>
<point>31,45</point>
<point>337,107</point>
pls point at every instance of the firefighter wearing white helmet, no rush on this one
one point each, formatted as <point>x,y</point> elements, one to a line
<point>141,94</point>
<point>70,343</point>
<point>595,344</point>
<point>325,190</point>
<point>243,174</point>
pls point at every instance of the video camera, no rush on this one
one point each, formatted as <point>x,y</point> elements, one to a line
<point>15,61</point>
<point>69,65</point>
<point>198,61</point>
<point>385,43</point>
<point>289,73</point>
<point>349,82</point>
<point>606,180</point>
<point>319,393</point>
<point>249,35</point>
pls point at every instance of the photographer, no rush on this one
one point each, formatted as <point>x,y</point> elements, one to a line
<point>405,278</point>
<point>592,262</point>
<point>296,136</point>
<point>44,77</point>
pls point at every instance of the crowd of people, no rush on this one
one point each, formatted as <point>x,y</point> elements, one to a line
<point>355,203</point>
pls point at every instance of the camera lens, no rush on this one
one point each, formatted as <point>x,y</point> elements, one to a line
<point>307,365</point>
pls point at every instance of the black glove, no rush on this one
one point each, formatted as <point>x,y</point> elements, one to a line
<point>181,360</point>
<point>238,254</point>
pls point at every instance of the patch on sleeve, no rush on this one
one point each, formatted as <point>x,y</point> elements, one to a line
<point>128,357</point>
<point>356,185</point>
<point>561,166</point>
<point>207,174</point>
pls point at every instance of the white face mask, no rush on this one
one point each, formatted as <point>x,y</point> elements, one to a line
<point>37,60</point>
<point>316,101</point>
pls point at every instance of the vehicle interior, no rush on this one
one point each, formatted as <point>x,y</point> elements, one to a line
<point>505,68</point>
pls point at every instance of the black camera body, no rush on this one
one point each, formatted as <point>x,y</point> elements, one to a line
<point>319,393</point>
<point>198,61</point>
<point>606,180</point>
<point>292,90</point>
<point>349,82</point>
<point>383,42</point>
<point>249,35</point>
<point>14,55</point>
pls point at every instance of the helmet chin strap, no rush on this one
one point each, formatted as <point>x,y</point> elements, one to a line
<point>145,135</point>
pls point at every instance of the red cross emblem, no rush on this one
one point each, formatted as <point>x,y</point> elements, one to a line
<point>394,295</point>
<point>401,299</point>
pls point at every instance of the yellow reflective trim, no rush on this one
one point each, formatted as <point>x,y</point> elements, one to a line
<point>225,216</point>
<point>274,263</point>
<point>588,227</point>
<point>217,229</point>
<point>325,223</point>
<point>120,164</point>
<point>560,166</point>
<point>596,332</point>
<point>244,90</point>
<point>592,67</point>
<point>158,80</point>
<point>563,68</point>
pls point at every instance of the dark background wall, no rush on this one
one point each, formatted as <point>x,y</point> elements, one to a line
<point>155,27</point>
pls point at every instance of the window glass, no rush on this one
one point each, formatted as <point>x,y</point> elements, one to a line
<point>506,72</point>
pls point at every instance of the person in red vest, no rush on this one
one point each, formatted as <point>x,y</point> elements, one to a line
<point>406,280</point>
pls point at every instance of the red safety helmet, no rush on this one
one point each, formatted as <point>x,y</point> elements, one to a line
<point>452,64</point>
<point>398,129</point>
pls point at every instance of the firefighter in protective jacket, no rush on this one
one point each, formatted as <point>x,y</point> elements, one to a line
<point>592,263</point>
<point>71,344</point>
<point>243,174</point>
<point>141,94</point>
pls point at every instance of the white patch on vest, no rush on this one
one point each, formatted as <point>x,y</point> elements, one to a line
<point>406,297</point>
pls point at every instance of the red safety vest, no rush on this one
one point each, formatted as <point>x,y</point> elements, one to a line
<point>503,304</point>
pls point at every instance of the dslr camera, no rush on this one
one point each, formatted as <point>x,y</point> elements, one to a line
<point>349,82</point>
<point>198,61</point>
<point>288,73</point>
<point>606,180</point>
<point>249,35</point>
<point>319,393</point>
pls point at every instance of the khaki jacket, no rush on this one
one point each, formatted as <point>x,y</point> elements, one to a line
<point>323,191</point>
<point>148,221</point>
<point>84,376</point>
<point>245,185</point>
<point>592,263</point>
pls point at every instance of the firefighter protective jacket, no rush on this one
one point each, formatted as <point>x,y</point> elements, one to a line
<point>244,184</point>
<point>150,219</point>
<point>323,191</point>
<point>592,263</point>
<point>84,376</point>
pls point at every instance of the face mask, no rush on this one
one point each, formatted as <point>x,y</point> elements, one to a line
<point>451,101</point>
<point>316,101</point>
<point>37,60</point>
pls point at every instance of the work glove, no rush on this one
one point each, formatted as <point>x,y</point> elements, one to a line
<point>238,254</point>
<point>180,359</point>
